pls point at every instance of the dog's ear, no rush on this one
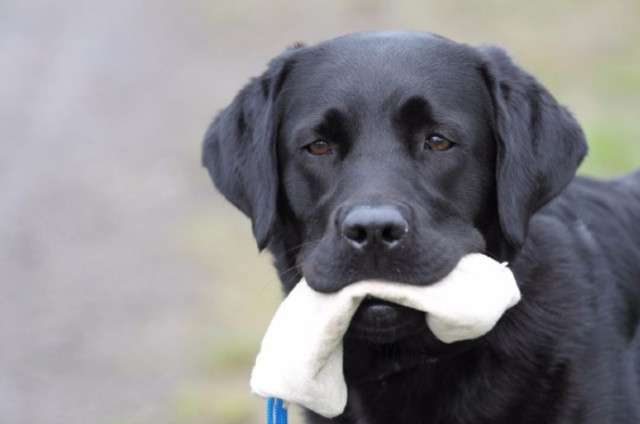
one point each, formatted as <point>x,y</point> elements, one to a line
<point>539,143</point>
<point>239,149</point>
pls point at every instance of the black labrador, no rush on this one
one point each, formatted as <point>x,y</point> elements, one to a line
<point>392,155</point>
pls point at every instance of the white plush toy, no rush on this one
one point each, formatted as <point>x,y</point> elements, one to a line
<point>300,359</point>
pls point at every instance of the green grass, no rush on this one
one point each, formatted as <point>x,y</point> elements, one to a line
<point>612,148</point>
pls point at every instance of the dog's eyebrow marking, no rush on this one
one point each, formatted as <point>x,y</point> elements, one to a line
<point>335,126</point>
<point>414,115</point>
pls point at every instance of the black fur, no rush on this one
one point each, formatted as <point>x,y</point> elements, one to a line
<point>569,352</point>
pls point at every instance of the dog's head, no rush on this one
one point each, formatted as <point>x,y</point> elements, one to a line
<point>390,156</point>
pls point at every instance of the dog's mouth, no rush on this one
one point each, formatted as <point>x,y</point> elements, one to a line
<point>384,340</point>
<point>378,321</point>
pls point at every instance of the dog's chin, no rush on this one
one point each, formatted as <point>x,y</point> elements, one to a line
<point>381,322</point>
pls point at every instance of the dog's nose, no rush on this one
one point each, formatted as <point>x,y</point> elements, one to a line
<point>367,227</point>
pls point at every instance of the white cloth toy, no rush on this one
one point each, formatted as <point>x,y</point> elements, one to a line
<point>300,359</point>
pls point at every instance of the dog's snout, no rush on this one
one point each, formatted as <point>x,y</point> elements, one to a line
<point>366,227</point>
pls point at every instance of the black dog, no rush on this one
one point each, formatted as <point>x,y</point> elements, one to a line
<point>392,155</point>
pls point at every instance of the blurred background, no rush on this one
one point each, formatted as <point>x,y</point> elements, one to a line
<point>131,292</point>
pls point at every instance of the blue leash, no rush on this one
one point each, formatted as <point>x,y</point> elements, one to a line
<point>276,412</point>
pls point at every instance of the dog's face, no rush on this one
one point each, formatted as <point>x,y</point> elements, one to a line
<point>387,171</point>
<point>390,156</point>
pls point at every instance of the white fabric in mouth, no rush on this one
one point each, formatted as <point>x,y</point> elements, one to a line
<point>300,359</point>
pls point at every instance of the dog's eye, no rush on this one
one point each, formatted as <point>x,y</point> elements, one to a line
<point>318,148</point>
<point>437,143</point>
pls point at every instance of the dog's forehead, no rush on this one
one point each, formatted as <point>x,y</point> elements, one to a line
<point>376,69</point>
